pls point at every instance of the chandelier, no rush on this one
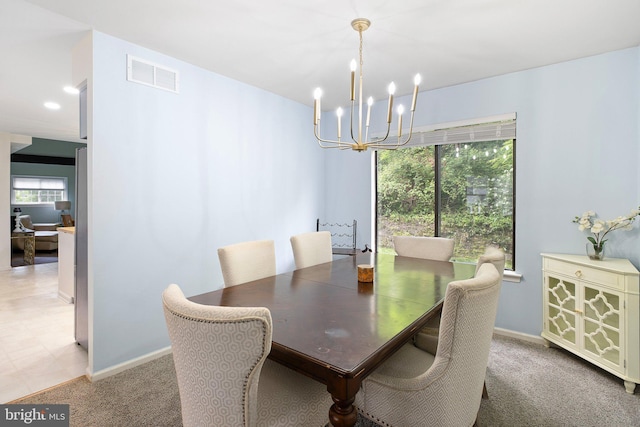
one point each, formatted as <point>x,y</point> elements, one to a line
<point>358,141</point>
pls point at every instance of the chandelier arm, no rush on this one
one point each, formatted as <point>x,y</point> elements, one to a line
<point>328,141</point>
<point>380,141</point>
<point>336,144</point>
<point>339,147</point>
<point>400,144</point>
<point>351,121</point>
<point>379,144</point>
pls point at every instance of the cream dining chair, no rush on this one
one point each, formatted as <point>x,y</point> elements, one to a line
<point>312,248</point>
<point>427,338</point>
<point>416,388</point>
<point>224,376</point>
<point>435,248</point>
<point>247,261</point>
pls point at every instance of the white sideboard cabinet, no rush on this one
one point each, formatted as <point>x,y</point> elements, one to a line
<point>591,308</point>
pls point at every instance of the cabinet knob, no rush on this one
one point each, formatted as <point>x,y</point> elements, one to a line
<point>578,311</point>
<point>578,273</point>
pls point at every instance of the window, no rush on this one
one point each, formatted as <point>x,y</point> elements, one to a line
<point>33,190</point>
<point>455,182</point>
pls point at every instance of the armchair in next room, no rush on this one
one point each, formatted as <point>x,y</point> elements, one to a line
<point>46,234</point>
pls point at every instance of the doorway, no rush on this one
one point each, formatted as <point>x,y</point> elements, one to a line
<point>37,328</point>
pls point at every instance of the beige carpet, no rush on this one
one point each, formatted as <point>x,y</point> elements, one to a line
<point>143,396</point>
<point>528,384</point>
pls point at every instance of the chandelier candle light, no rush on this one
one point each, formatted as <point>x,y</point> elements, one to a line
<point>359,143</point>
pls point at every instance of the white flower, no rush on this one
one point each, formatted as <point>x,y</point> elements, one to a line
<point>600,228</point>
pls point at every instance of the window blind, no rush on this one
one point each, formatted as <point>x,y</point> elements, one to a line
<point>494,128</point>
<point>24,183</point>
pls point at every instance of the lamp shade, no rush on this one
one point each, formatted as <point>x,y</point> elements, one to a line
<point>62,205</point>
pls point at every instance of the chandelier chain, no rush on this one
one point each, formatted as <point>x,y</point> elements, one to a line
<point>361,62</point>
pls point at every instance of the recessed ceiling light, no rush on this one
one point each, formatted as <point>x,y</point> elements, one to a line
<point>52,105</point>
<point>72,90</point>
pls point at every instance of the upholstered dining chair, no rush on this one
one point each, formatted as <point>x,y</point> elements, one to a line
<point>495,256</point>
<point>435,248</point>
<point>224,376</point>
<point>427,338</point>
<point>312,248</point>
<point>416,388</point>
<point>247,261</point>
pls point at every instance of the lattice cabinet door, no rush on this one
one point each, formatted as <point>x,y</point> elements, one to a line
<point>560,310</point>
<point>602,328</point>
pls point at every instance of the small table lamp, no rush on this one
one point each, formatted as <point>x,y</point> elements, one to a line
<point>62,205</point>
<point>17,212</point>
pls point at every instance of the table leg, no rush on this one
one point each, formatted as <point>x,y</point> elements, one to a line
<point>343,393</point>
<point>342,413</point>
<point>29,250</point>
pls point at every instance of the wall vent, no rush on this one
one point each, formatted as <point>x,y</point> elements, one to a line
<point>150,74</point>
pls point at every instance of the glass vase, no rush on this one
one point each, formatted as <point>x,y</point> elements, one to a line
<point>593,253</point>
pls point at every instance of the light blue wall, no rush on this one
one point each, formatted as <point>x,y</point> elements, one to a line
<point>577,150</point>
<point>174,177</point>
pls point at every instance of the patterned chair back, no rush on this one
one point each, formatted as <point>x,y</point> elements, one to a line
<point>218,353</point>
<point>494,256</point>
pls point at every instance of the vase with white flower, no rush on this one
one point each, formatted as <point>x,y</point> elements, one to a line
<point>599,230</point>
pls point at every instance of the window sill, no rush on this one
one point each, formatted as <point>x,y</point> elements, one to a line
<point>510,276</point>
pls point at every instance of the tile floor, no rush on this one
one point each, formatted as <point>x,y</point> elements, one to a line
<point>37,346</point>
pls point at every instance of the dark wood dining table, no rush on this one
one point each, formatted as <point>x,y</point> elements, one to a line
<point>336,330</point>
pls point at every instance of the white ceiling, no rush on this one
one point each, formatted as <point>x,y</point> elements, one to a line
<point>289,47</point>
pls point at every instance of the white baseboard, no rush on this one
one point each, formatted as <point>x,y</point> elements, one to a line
<point>128,364</point>
<point>64,297</point>
<point>519,335</point>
